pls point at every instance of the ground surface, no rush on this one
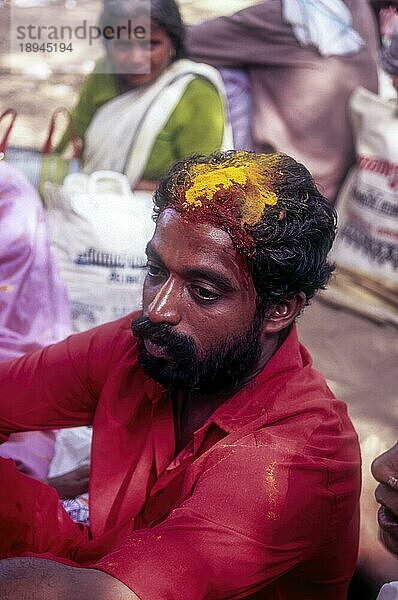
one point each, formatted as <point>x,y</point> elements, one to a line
<point>359,359</point>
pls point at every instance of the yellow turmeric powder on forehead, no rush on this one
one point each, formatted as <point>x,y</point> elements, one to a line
<point>251,182</point>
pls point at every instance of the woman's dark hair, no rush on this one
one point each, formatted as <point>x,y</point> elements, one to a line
<point>291,240</point>
<point>164,13</point>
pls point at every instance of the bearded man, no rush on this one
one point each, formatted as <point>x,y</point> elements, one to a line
<point>222,465</point>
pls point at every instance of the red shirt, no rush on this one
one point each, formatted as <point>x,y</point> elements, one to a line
<point>266,497</point>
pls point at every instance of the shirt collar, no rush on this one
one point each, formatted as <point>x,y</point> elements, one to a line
<point>250,403</point>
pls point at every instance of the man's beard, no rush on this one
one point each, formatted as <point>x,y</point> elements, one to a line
<point>223,369</point>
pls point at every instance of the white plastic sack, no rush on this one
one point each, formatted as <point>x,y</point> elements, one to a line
<point>72,450</point>
<point>367,239</point>
<point>99,230</point>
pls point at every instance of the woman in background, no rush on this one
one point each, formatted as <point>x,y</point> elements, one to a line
<point>139,123</point>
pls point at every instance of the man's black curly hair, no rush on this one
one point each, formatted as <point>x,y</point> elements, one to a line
<point>291,241</point>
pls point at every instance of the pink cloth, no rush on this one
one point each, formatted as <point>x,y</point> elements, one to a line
<point>34,309</point>
<point>31,451</point>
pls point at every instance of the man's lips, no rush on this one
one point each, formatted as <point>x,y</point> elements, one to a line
<point>155,350</point>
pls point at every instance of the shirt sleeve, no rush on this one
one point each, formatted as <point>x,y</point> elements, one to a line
<point>57,386</point>
<point>32,518</point>
<point>196,126</point>
<point>255,36</point>
<point>200,110</point>
<point>238,531</point>
<point>98,88</point>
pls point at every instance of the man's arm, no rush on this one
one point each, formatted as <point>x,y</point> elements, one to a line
<point>252,516</point>
<point>236,531</point>
<point>255,36</point>
<point>385,470</point>
<point>32,518</point>
<point>38,579</point>
<point>41,390</point>
<point>57,386</point>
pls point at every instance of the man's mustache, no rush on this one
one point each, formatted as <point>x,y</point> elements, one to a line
<point>179,346</point>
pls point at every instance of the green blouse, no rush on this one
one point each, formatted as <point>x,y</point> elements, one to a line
<point>196,125</point>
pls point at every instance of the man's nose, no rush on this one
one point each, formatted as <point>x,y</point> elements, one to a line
<point>164,308</point>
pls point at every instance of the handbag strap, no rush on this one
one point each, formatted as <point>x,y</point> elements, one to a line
<point>48,144</point>
<point>4,141</point>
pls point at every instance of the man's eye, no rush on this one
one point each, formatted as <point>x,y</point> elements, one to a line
<point>154,271</point>
<point>204,293</point>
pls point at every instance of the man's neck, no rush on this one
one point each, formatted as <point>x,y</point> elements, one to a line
<point>195,408</point>
<point>191,411</point>
<point>270,345</point>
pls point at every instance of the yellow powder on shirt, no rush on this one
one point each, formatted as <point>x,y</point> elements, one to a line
<point>272,491</point>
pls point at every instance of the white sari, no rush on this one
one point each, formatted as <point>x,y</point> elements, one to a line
<point>121,134</point>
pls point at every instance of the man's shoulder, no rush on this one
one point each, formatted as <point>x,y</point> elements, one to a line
<point>102,350</point>
<point>290,407</point>
<point>121,326</point>
<point>111,339</point>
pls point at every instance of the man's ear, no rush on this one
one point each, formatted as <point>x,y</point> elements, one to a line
<point>283,314</point>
